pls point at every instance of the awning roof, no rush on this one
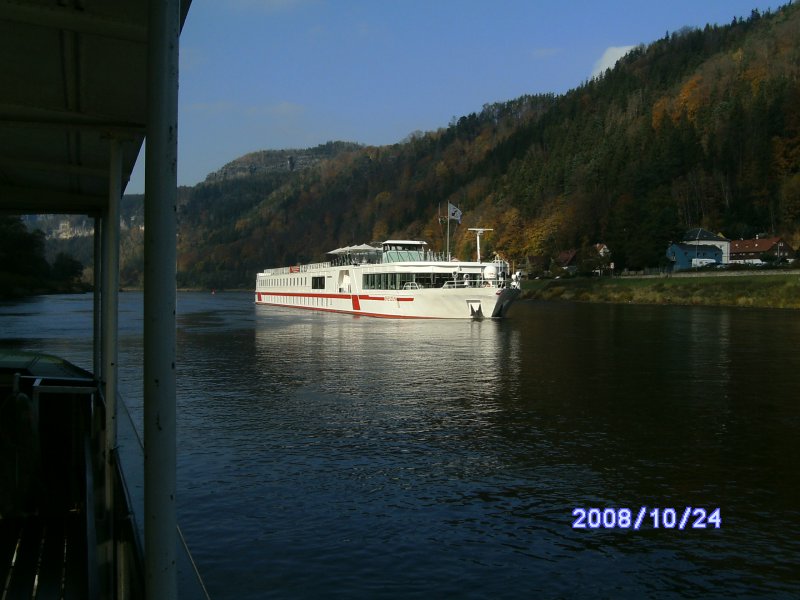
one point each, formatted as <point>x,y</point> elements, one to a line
<point>73,76</point>
<point>355,249</point>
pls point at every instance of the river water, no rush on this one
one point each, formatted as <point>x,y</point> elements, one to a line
<point>325,455</point>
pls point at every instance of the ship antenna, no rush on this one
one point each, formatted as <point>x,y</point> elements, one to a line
<point>478,232</point>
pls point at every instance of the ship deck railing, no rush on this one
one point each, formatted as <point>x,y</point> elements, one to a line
<point>47,513</point>
<point>344,261</point>
<point>130,457</point>
<point>53,527</point>
<point>297,269</point>
<point>469,283</point>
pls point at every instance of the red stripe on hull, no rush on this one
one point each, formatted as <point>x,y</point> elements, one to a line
<point>344,311</point>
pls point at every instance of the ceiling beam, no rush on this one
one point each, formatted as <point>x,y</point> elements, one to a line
<point>71,19</point>
<point>13,163</point>
<point>33,200</point>
<point>13,115</point>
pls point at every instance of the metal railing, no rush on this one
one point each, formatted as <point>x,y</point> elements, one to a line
<point>130,455</point>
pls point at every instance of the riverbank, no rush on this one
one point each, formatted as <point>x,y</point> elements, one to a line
<point>14,287</point>
<point>745,289</point>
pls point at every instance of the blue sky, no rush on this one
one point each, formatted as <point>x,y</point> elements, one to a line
<point>272,74</point>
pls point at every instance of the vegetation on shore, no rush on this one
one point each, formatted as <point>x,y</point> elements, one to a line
<point>24,270</point>
<point>747,290</point>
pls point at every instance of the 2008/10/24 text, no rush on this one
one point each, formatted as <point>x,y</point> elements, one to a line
<point>656,518</point>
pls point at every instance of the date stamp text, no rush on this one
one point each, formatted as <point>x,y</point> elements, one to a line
<point>688,517</point>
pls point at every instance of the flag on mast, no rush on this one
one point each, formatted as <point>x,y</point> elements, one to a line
<point>453,213</point>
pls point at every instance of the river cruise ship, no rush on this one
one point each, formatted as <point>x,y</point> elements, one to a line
<point>399,279</point>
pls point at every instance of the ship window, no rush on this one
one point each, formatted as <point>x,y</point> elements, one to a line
<point>318,283</point>
<point>403,278</point>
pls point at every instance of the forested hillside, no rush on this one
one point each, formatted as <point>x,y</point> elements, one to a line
<point>699,128</point>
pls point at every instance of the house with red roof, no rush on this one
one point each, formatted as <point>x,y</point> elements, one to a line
<point>752,251</point>
<point>567,259</point>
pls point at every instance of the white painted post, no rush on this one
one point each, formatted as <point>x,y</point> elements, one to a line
<point>111,290</point>
<point>110,329</point>
<point>161,165</point>
<point>97,340</point>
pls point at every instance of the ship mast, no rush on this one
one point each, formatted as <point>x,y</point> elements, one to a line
<point>448,233</point>
<point>478,232</point>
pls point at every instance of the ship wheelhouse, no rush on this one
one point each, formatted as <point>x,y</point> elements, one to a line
<point>403,251</point>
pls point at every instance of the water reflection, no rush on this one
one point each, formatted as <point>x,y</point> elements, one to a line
<point>404,361</point>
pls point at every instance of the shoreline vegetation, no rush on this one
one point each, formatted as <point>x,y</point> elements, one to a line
<point>738,289</point>
<point>19,288</point>
<point>749,289</point>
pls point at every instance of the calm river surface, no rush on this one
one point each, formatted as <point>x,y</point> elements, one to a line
<point>325,455</point>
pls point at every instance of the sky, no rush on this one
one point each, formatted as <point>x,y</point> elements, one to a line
<point>277,74</point>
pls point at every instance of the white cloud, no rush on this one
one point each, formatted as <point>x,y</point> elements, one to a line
<point>610,58</point>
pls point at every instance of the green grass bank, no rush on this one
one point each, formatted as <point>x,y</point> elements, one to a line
<point>779,290</point>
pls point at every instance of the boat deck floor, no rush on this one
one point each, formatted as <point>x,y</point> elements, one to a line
<point>44,478</point>
<point>43,557</point>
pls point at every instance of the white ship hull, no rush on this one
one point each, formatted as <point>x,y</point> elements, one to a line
<point>398,290</point>
<point>418,304</point>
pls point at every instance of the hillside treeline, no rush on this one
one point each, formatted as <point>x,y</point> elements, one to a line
<point>24,270</point>
<point>699,128</point>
